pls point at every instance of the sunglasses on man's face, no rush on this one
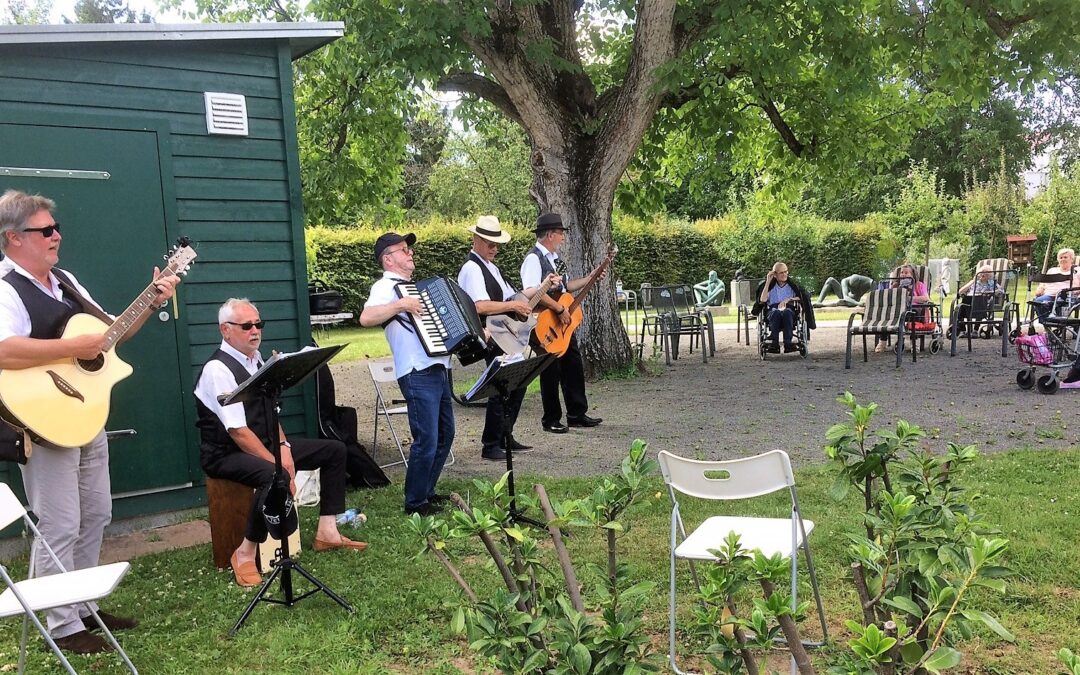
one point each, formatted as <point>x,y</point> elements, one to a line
<point>248,325</point>
<point>46,231</point>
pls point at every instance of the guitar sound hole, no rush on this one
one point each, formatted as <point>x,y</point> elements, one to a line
<point>93,365</point>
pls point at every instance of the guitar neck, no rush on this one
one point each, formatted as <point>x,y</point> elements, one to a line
<point>541,291</point>
<point>135,312</point>
<point>588,286</point>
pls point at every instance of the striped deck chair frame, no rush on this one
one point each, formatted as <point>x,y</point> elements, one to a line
<point>1002,316</point>
<point>883,315</point>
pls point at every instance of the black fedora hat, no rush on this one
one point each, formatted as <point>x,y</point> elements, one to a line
<point>549,221</point>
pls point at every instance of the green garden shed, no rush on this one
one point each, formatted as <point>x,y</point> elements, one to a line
<point>142,133</point>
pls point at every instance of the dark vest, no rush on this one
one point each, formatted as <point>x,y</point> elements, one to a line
<point>214,439</point>
<point>545,270</point>
<point>48,316</point>
<point>494,288</point>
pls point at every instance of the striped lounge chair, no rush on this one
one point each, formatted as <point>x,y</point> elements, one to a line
<point>883,316</point>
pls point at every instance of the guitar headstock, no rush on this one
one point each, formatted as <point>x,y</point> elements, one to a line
<point>178,260</point>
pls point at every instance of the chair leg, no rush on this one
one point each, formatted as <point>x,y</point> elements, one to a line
<point>847,353</point>
<point>111,638</point>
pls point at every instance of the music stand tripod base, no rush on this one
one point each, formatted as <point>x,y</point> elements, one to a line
<point>281,372</point>
<point>499,379</point>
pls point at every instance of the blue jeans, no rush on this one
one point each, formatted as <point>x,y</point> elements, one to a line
<point>431,421</point>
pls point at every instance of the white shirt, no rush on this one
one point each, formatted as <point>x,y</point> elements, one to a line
<point>471,280</point>
<point>531,273</point>
<point>1055,287</point>
<point>409,354</point>
<point>217,379</point>
<point>14,319</point>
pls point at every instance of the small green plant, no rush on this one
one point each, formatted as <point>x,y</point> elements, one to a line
<point>531,624</point>
<point>924,550</point>
<point>1071,661</point>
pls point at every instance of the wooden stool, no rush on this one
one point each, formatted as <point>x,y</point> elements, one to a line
<point>230,505</point>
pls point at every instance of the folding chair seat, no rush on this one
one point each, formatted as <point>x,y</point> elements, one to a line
<point>57,590</point>
<point>383,376</point>
<point>736,479</point>
<point>883,316</point>
<point>988,311</point>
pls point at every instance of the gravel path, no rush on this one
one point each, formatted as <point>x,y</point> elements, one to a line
<point>738,405</point>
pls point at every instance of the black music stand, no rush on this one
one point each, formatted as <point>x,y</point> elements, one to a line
<point>499,379</point>
<point>281,372</point>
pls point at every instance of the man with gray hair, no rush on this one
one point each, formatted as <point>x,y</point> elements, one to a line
<point>68,488</point>
<point>236,440</point>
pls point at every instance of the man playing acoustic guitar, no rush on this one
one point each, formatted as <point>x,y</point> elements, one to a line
<point>68,488</point>
<point>567,371</point>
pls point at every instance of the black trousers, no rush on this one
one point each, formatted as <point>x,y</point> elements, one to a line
<point>566,373</point>
<point>308,455</point>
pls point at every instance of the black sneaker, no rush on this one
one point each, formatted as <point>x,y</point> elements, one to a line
<point>516,445</point>
<point>493,454</point>
<point>425,509</point>
<point>773,348</point>
<point>790,347</point>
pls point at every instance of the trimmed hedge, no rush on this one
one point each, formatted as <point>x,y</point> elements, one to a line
<point>659,252</point>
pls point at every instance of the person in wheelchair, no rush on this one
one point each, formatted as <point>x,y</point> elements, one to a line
<point>1046,292</point>
<point>979,297</point>
<point>784,303</point>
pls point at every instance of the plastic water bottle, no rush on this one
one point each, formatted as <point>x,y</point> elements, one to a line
<point>348,517</point>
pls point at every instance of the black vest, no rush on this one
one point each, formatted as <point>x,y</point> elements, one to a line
<point>494,288</point>
<point>214,438</point>
<point>48,316</point>
<point>545,269</point>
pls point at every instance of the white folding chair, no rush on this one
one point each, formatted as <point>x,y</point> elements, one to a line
<point>728,480</point>
<point>42,593</point>
<point>382,375</point>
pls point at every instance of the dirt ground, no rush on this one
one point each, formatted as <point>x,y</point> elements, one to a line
<point>738,405</point>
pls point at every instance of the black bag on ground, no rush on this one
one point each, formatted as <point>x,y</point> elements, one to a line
<point>322,300</point>
<point>339,423</point>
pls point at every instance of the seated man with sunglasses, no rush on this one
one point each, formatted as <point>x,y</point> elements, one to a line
<point>236,439</point>
<point>68,489</point>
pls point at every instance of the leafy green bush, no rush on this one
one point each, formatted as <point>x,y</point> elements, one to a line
<point>659,252</point>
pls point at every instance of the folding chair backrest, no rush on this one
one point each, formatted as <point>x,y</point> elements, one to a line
<point>728,479</point>
<point>382,371</point>
<point>11,509</point>
<point>885,307</point>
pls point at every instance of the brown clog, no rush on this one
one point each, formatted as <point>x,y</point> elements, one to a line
<point>247,574</point>
<point>345,542</point>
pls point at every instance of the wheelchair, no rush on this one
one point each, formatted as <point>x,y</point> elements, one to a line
<point>800,332</point>
<point>1055,350</point>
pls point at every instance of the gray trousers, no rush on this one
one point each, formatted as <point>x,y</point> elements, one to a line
<point>69,492</point>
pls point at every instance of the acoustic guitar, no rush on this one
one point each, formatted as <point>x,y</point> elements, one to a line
<point>66,402</point>
<point>512,335</point>
<point>550,333</point>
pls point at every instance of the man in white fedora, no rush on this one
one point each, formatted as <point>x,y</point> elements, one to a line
<point>485,284</point>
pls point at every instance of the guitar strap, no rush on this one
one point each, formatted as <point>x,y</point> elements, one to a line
<point>88,307</point>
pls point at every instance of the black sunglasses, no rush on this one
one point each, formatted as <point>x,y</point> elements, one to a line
<point>248,325</point>
<point>46,231</point>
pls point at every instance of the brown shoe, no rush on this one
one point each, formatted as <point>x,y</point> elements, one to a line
<point>83,642</point>
<point>247,574</point>
<point>345,542</point>
<point>111,621</point>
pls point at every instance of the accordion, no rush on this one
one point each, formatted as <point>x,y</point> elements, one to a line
<point>450,324</point>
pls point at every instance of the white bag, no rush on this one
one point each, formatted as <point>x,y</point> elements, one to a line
<point>307,488</point>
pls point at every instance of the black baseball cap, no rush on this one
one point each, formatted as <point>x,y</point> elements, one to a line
<point>389,239</point>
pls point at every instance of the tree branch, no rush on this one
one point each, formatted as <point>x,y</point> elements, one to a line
<point>482,87</point>
<point>777,120</point>
<point>1001,26</point>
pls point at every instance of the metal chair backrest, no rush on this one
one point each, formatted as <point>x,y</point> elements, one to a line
<point>728,479</point>
<point>1000,272</point>
<point>646,296</point>
<point>683,296</point>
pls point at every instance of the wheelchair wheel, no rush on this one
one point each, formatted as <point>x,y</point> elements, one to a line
<point>1047,384</point>
<point>763,349</point>
<point>935,346</point>
<point>986,332</point>
<point>1025,379</point>
<point>1013,334</point>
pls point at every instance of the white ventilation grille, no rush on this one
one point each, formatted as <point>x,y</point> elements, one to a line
<point>226,114</point>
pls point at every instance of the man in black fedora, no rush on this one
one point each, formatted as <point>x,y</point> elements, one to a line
<point>567,372</point>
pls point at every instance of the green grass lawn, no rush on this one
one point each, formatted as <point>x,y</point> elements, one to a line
<point>403,606</point>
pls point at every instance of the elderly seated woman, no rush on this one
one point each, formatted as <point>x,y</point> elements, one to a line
<point>920,294</point>
<point>984,286</point>
<point>1046,292</point>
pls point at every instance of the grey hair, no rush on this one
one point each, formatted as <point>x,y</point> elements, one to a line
<point>16,209</point>
<point>1067,250</point>
<point>227,311</point>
